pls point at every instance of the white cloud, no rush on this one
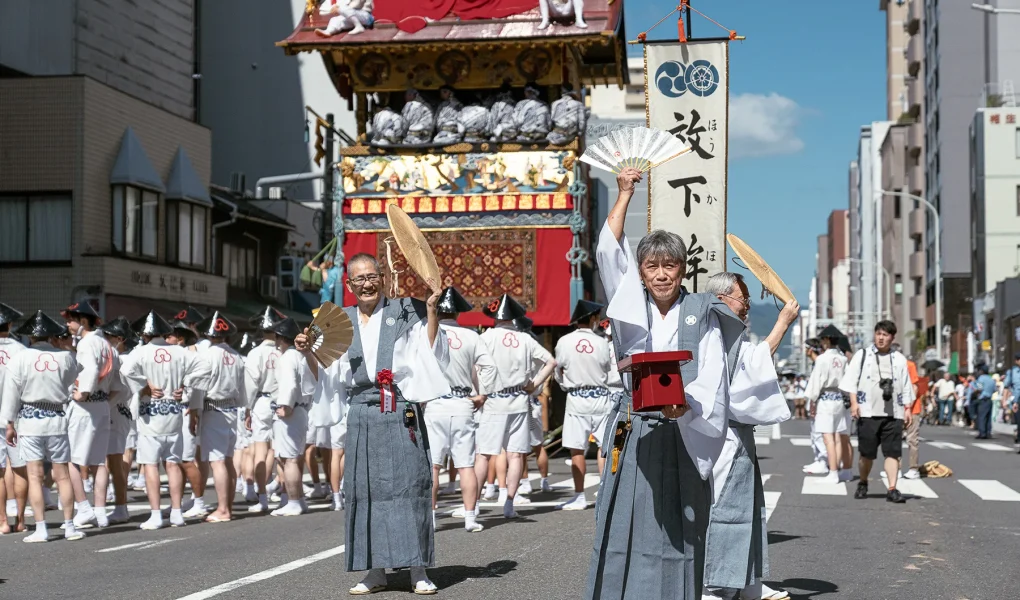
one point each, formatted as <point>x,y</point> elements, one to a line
<point>763,125</point>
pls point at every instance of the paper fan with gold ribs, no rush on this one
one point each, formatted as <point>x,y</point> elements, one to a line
<point>761,269</point>
<point>330,334</point>
<point>414,247</point>
<point>639,147</point>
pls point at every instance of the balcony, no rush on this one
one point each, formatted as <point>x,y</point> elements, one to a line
<point>912,24</point>
<point>917,265</point>
<point>917,222</point>
<point>917,307</point>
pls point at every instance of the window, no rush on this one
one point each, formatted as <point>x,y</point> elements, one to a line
<point>896,207</point>
<point>238,265</point>
<point>186,233</point>
<point>1018,142</point>
<point>917,286</point>
<point>35,228</point>
<point>135,214</point>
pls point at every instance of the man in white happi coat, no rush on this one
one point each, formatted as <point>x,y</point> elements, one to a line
<point>13,473</point>
<point>531,116</point>
<point>569,117</point>
<point>218,419</point>
<point>297,374</point>
<point>505,422</point>
<point>539,404</point>
<point>449,129</point>
<point>185,335</point>
<point>36,391</point>
<point>350,15</point>
<point>737,544</point>
<point>826,406</point>
<point>116,332</point>
<point>166,367</point>
<point>89,415</point>
<point>420,119</point>
<point>450,419</point>
<point>398,357</point>
<point>259,387</point>
<point>583,362</point>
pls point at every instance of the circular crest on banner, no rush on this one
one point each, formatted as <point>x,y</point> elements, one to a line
<point>701,78</point>
<point>674,79</point>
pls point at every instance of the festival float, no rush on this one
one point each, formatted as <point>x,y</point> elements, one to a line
<point>471,117</point>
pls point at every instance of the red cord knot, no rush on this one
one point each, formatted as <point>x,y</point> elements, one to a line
<point>733,34</point>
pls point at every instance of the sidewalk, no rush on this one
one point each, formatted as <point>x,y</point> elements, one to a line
<point>1004,429</point>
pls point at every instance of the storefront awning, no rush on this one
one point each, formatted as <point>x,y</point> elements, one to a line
<point>133,167</point>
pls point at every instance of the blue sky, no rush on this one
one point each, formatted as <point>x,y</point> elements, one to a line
<point>815,72</point>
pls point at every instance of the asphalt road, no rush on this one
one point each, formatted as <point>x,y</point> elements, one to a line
<point>960,544</point>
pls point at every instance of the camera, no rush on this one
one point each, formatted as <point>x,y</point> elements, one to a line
<point>887,389</point>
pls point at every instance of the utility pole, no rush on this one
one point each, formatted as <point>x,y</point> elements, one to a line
<point>326,227</point>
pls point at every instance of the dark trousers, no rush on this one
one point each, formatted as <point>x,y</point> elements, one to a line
<point>971,412</point>
<point>945,411</point>
<point>984,417</point>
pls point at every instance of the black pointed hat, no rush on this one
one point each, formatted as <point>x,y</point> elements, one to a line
<point>41,325</point>
<point>216,326</point>
<point>603,328</point>
<point>830,332</point>
<point>118,327</point>
<point>183,330</point>
<point>248,341</point>
<point>451,302</point>
<point>266,319</point>
<point>189,316</point>
<point>8,314</point>
<point>152,325</point>
<point>504,308</point>
<point>81,308</point>
<point>523,323</point>
<point>585,309</point>
<point>287,328</point>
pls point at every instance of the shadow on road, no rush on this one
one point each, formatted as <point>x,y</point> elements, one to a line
<point>778,537</point>
<point>446,577</point>
<point>806,589</point>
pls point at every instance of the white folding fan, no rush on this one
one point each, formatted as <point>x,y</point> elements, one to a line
<point>638,147</point>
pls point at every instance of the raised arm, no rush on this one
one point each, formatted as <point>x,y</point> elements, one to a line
<point>625,181</point>
<point>786,318</point>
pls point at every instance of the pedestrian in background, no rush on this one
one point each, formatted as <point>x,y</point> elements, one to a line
<point>984,389</point>
<point>945,398</point>
<point>913,425</point>
<point>1011,393</point>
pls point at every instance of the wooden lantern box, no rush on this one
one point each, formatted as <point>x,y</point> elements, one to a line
<point>655,379</point>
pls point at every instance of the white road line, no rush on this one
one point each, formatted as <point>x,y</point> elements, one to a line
<point>991,489</point>
<point>765,478</point>
<point>590,480</point>
<point>802,442</point>
<point>141,545</point>
<point>946,445</point>
<point>771,501</point>
<point>267,574</point>
<point>992,447</point>
<point>816,486</point>
<point>911,487</point>
<point>761,441</point>
<point>775,432</point>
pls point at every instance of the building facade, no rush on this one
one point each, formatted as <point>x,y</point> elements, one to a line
<point>995,197</point>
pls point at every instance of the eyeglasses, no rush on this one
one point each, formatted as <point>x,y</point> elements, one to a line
<point>363,279</point>
<point>745,301</point>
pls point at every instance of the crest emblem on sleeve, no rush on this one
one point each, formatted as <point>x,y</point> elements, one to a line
<point>691,320</point>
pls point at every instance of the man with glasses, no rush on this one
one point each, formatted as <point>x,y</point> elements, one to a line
<point>397,359</point>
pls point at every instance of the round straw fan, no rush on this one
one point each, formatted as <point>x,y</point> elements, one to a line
<point>760,268</point>
<point>414,246</point>
<point>330,334</point>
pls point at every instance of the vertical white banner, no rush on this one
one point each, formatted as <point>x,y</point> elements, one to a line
<point>687,94</point>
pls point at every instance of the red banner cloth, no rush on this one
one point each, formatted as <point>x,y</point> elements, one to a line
<point>532,262</point>
<point>410,15</point>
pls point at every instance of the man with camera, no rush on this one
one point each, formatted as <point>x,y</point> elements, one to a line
<point>879,385</point>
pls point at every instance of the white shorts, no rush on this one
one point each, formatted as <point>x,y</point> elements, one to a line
<point>262,421</point>
<point>154,449</point>
<point>120,429</point>
<point>577,430</point>
<point>496,432</point>
<point>832,417</point>
<point>317,436</point>
<point>132,437</point>
<point>289,434</point>
<point>88,431</point>
<point>452,436</point>
<point>338,435</point>
<point>535,425</point>
<point>54,448</point>
<point>189,443</point>
<point>243,437</point>
<point>219,434</point>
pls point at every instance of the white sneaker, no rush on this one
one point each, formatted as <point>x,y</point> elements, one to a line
<point>912,474</point>
<point>578,503</point>
<point>846,475</point>
<point>832,477</point>
<point>816,468</point>
<point>524,487</point>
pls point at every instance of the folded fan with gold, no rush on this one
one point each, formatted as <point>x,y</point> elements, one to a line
<point>330,334</point>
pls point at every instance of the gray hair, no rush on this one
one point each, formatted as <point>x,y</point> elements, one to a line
<point>363,257</point>
<point>722,283</point>
<point>662,244</point>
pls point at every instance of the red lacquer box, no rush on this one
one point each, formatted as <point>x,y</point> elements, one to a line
<point>655,378</point>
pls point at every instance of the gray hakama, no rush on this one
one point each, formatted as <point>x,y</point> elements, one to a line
<point>652,514</point>
<point>388,477</point>
<point>738,522</point>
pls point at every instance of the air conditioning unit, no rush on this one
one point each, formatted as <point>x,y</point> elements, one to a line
<point>288,270</point>
<point>237,182</point>
<point>268,286</point>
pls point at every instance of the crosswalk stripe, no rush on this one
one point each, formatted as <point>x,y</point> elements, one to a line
<point>765,478</point>
<point>771,501</point>
<point>946,445</point>
<point>992,447</point>
<point>816,486</point>
<point>762,441</point>
<point>590,480</point>
<point>802,442</point>
<point>911,487</point>
<point>991,489</point>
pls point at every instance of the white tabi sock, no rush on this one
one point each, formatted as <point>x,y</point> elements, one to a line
<point>175,516</point>
<point>40,526</point>
<point>83,507</point>
<point>337,498</point>
<point>12,507</point>
<point>502,495</point>
<point>102,520</point>
<point>469,519</point>
<point>69,527</point>
<point>247,488</point>
<point>199,502</point>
